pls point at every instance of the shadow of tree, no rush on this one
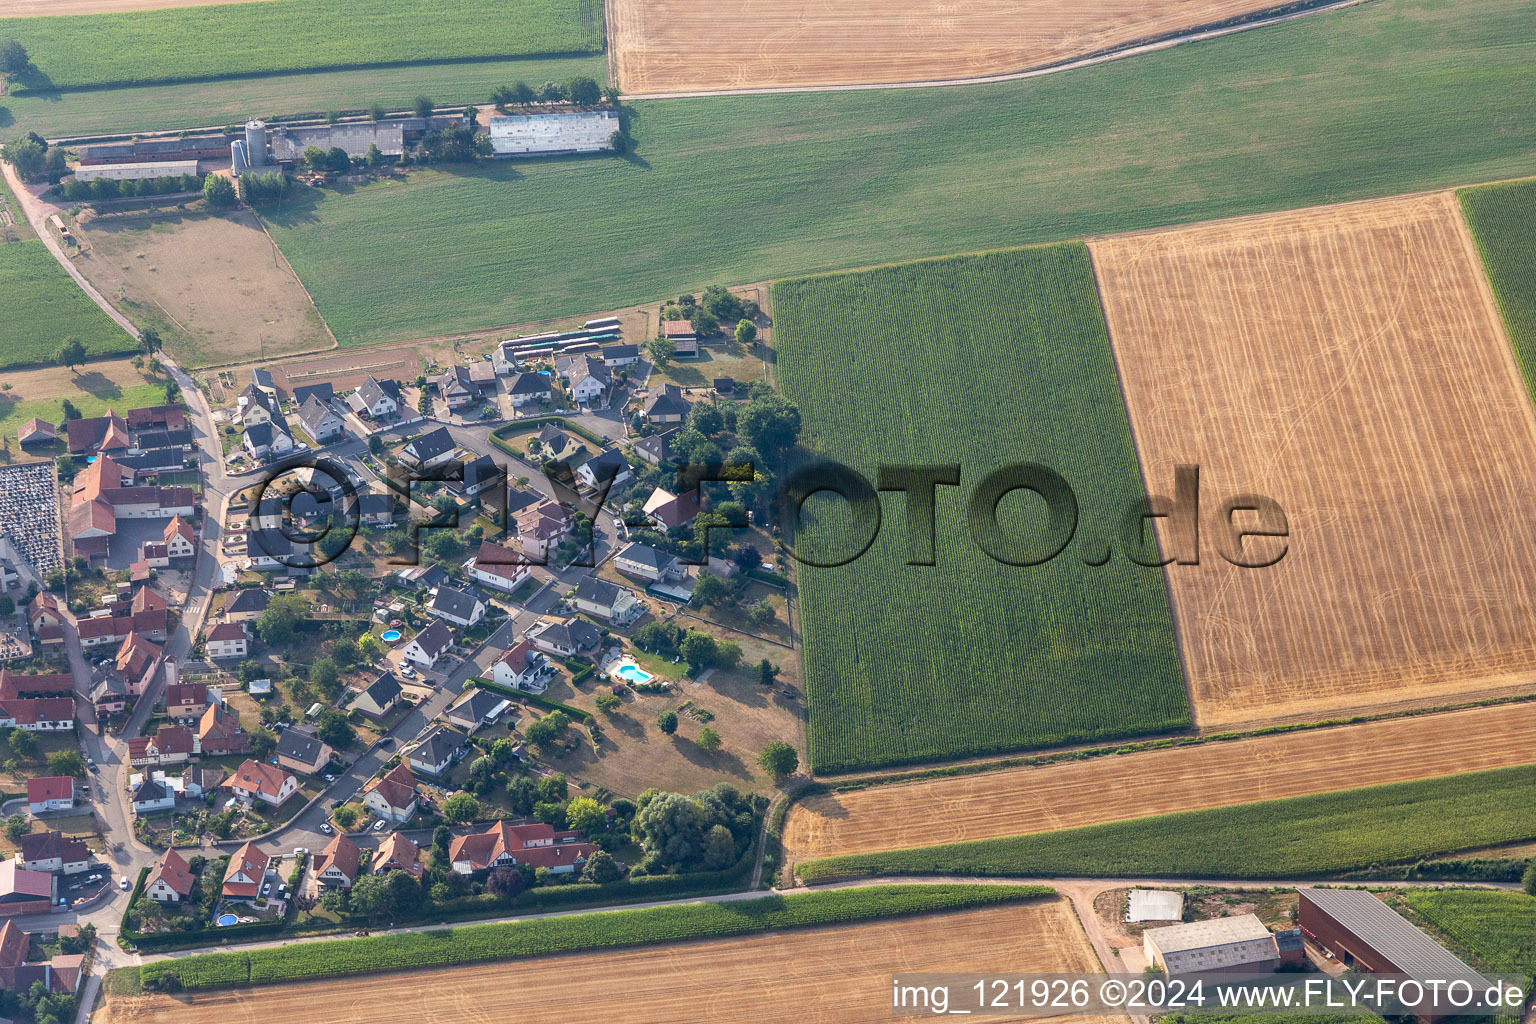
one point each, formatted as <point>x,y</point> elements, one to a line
<point>98,385</point>
<point>6,118</point>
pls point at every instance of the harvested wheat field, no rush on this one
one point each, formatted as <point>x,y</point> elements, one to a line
<point>1066,794</point>
<point>663,46</point>
<point>1348,363</point>
<point>837,975</point>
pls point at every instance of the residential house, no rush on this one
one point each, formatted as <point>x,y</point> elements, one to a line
<point>185,701</point>
<point>607,601</point>
<point>556,443</point>
<point>480,475</point>
<point>438,751</point>
<point>463,608</point>
<point>529,387</point>
<point>604,471</point>
<point>375,509</point>
<point>299,749</point>
<point>421,577</point>
<point>523,667</point>
<point>324,391</point>
<point>319,422</point>
<point>137,662</point>
<point>254,782</point>
<point>724,387</point>
<point>498,567</point>
<point>41,684</point>
<point>246,605</point>
<point>567,638</point>
<point>103,493</point>
<point>643,562</point>
<point>51,851</point>
<point>219,733</point>
<point>50,793</point>
<point>172,880</point>
<point>180,539</point>
<point>621,355</point>
<point>536,845</point>
<point>44,714</point>
<point>171,744</point>
<point>434,448</point>
<point>428,645</point>
<point>109,696</point>
<point>665,404</point>
<point>667,511</point>
<point>457,387</point>
<point>255,405</point>
<point>24,892</point>
<point>228,640</point>
<point>267,440</point>
<point>45,610</point>
<point>392,796</point>
<point>376,399</point>
<point>542,527</point>
<point>270,550</point>
<point>397,853</point>
<point>153,795</point>
<point>336,866</point>
<point>477,708</point>
<point>380,696</point>
<point>197,781</point>
<point>683,337</point>
<point>587,379</point>
<point>247,871</point>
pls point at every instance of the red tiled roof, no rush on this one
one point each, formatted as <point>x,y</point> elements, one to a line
<point>225,631</point>
<point>257,778</point>
<point>175,873</point>
<point>184,694</point>
<point>517,657</point>
<point>171,417</point>
<point>44,684</point>
<point>398,853</point>
<point>148,599</point>
<point>35,429</point>
<point>14,944</point>
<point>137,654</point>
<point>44,709</point>
<point>342,854</point>
<point>36,846</point>
<point>17,881</point>
<point>398,788</point>
<point>52,787</point>
<point>483,848</point>
<point>251,862</point>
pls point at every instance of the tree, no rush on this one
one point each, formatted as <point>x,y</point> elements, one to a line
<point>746,332</point>
<point>377,112</point>
<point>26,156</point>
<point>710,589</point>
<point>584,91</point>
<point>373,158</point>
<point>662,350</point>
<point>1528,882</point>
<point>149,341</point>
<point>706,419</point>
<point>719,848</point>
<point>552,787</point>
<point>15,827</point>
<point>586,816</point>
<point>314,156</point>
<point>703,323</point>
<point>345,817</point>
<point>66,762</point>
<point>522,93</point>
<point>69,410</point>
<point>771,423</point>
<point>263,742</point>
<point>277,622</point>
<point>667,722</point>
<point>709,739</point>
<point>337,161</point>
<point>23,744</point>
<point>423,106</point>
<point>391,895</point>
<point>219,191</point>
<point>779,759</point>
<point>71,353</point>
<point>461,808</point>
<point>547,729</point>
<point>608,703</point>
<point>601,868</point>
<point>13,58</point>
<point>521,796</point>
<point>551,92</point>
<point>505,883</point>
<point>335,730</point>
<point>698,650</point>
<point>671,825</point>
<point>324,674</point>
<point>7,604</point>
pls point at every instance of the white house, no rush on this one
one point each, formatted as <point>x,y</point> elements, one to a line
<point>180,539</point>
<point>380,696</point>
<point>255,782</point>
<point>428,645</point>
<point>529,387</point>
<point>335,866</point>
<point>50,793</point>
<point>375,398</point>
<point>438,751</point>
<point>171,881</point>
<point>432,449</point>
<point>459,607</point>
<point>498,567</point>
<point>319,421</point>
<point>153,795</point>
<point>643,562</point>
<point>607,601</point>
<point>262,440</point>
<point>392,796</point>
<point>566,639</point>
<point>51,851</point>
<point>587,379</point>
<point>522,667</point>
<point>228,640</point>
<point>605,469</point>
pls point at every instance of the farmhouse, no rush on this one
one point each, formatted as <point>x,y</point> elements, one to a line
<point>171,881</point>
<point>37,432</point>
<point>607,601</point>
<point>336,866</point>
<point>107,433</point>
<point>381,695</point>
<point>588,131</point>
<point>428,645</point>
<point>171,744</point>
<point>1365,933</point>
<point>185,701</point>
<point>136,171</point>
<point>536,845</point>
<point>50,793</point>
<point>46,714</point>
<point>621,355</point>
<point>682,335</point>
<point>666,404</point>
<point>529,387</point>
<point>255,782</point>
<point>179,538</point>
<point>103,494</point>
<point>1219,946</point>
<point>393,795</point>
<point>287,144</point>
<point>498,567</point>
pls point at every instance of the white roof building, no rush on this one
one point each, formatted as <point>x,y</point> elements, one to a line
<point>1240,943</point>
<point>134,172</point>
<point>1154,905</point>
<point>529,134</point>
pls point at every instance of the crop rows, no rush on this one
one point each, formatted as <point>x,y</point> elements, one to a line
<point>220,41</point>
<point>1497,928</point>
<point>575,932</point>
<point>981,361</point>
<point>43,307</point>
<point>1300,837</point>
<point>1503,222</point>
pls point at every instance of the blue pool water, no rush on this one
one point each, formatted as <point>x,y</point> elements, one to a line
<point>225,920</point>
<point>389,636</point>
<point>634,674</point>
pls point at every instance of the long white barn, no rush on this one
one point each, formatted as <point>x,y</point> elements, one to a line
<point>532,134</point>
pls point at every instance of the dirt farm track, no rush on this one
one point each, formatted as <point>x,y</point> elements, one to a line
<point>835,975</point>
<point>1112,788</point>
<point>1348,363</point>
<point>784,43</point>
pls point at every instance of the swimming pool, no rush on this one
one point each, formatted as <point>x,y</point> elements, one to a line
<point>633,674</point>
<point>225,920</point>
<point>389,636</point>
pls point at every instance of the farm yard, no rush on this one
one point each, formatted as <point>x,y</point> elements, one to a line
<point>836,973</point>
<point>1073,793</point>
<point>41,392</point>
<point>1243,347</point>
<point>215,287</point>
<point>789,43</point>
<point>137,47</point>
<point>1383,98</point>
<point>1503,222</point>
<point>911,663</point>
<point>43,306</point>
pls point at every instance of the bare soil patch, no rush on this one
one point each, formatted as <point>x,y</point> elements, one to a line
<point>1116,787</point>
<point>215,286</point>
<point>836,975</point>
<point>1347,362</point>
<point>345,370</point>
<point>687,45</point>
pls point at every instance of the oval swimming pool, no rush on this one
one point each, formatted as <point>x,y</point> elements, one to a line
<point>389,636</point>
<point>225,920</point>
<point>633,674</point>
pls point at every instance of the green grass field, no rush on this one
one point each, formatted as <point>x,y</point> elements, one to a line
<point>1503,222</point>
<point>570,932</point>
<point>981,361</point>
<point>222,41</point>
<point>1497,928</point>
<point>1383,98</point>
<point>1300,837</point>
<point>93,397</point>
<point>43,306</point>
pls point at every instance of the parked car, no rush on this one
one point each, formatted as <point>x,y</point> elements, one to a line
<point>378,826</point>
<point>325,827</point>
<point>122,883</point>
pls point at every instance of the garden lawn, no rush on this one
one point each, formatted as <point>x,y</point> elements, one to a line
<point>226,40</point>
<point>1387,97</point>
<point>1300,837</point>
<point>981,361</point>
<point>43,306</point>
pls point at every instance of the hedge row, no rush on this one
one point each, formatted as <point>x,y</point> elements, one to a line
<point>610,929</point>
<point>576,714</point>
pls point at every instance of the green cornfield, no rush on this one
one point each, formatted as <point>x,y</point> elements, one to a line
<point>980,361</point>
<point>1498,929</point>
<point>225,40</point>
<point>575,932</point>
<point>43,306</point>
<point>1503,222</point>
<point>1300,837</point>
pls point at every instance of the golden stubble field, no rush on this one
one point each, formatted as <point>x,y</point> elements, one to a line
<point>836,975</point>
<point>1348,363</point>
<point>663,46</point>
<point>1112,788</point>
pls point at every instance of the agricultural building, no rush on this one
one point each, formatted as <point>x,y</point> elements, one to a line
<point>535,134</point>
<point>288,144</point>
<point>197,147</point>
<point>1364,932</point>
<point>136,171</point>
<point>1219,946</point>
<point>1152,905</point>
